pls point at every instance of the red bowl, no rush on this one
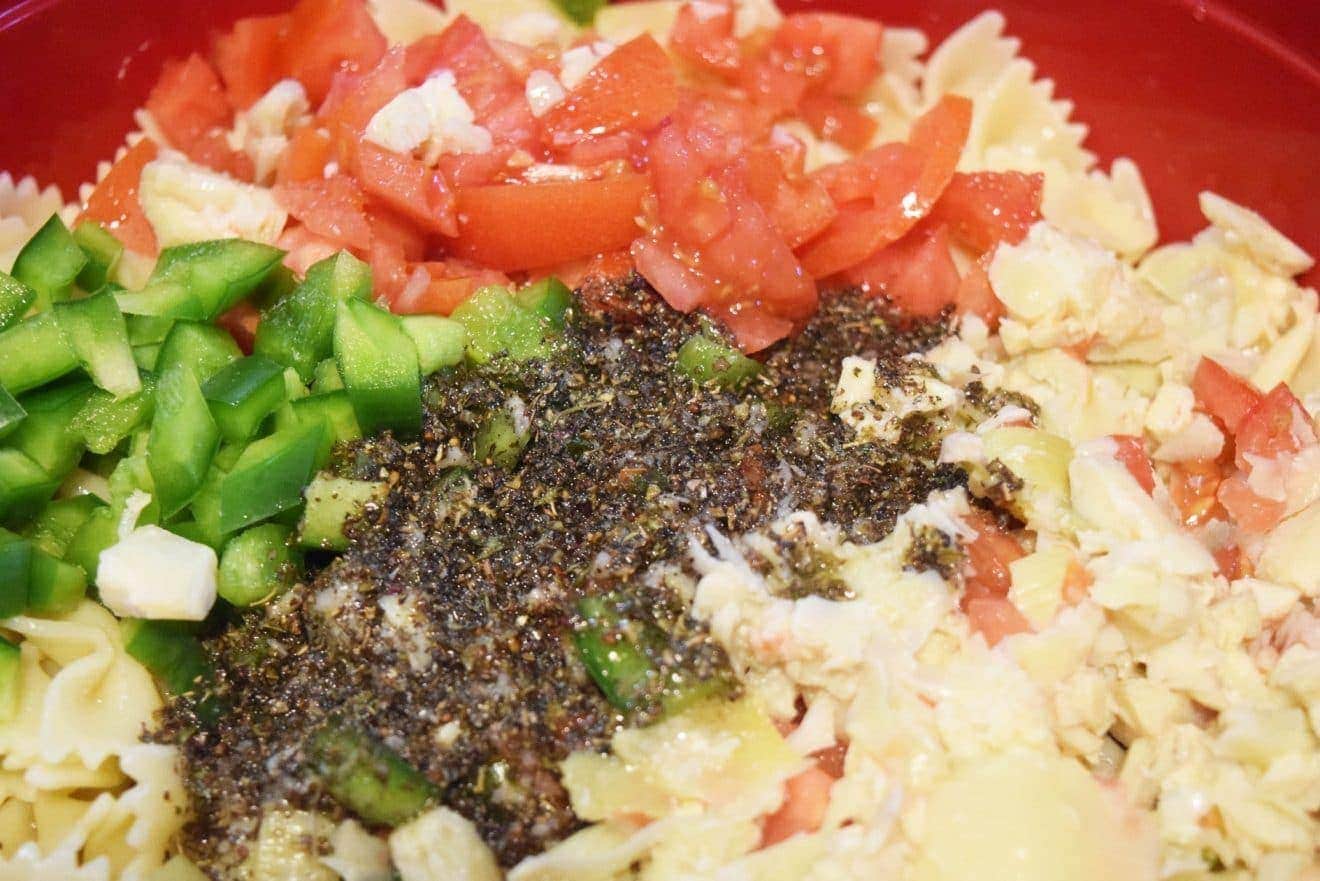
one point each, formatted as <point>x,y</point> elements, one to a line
<point>1203,94</point>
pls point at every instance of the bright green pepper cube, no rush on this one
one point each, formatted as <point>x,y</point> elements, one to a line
<point>54,528</point>
<point>163,300</point>
<point>203,348</point>
<point>100,531</point>
<point>56,586</point>
<point>257,564</point>
<point>380,369</point>
<point>217,273</point>
<point>183,440</point>
<point>242,394</point>
<point>24,486</point>
<point>582,12</point>
<point>171,651</point>
<point>15,300</point>
<point>95,328</point>
<point>12,413</point>
<point>269,477</point>
<point>34,352</point>
<point>50,262</point>
<point>47,435</point>
<point>440,341</point>
<point>708,360</point>
<point>335,411</point>
<point>11,680</point>
<point>15,573</point>
<point>103,251</point>
<point>549,298</point>
<point>298,331</point>
<point>326,377</point>
<point>497,325</point>
<point>145,330</point>
<point>105,421</point>
<point>331,502</point>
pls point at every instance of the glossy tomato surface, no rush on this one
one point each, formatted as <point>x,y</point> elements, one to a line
<point>1203,94</point>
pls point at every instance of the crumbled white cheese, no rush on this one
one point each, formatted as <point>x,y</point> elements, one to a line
<point>156,574</point>
<point>441,845</point>
<point>576,63</point>
<point>186,203</point>
<point>262,131</point>
<point>533,28</point>
<point>544,92</point>
<point>431,119</point>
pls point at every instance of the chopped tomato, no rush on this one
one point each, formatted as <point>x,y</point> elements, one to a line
<point>333,208</point>
<point>631,89</point>
<point>1192,487</point>
<point>474,169</point>
<point>840,121</point>
<point>607,265</point>
<point>916,273</point>
<point>241,321</point>
<point>840,54</point>
<point>1278,424</point>
<point>806,798</point>
<point>525,226</point>
<point>996,618</point>
<point>1230,562</point>
<point>355,97</point>
<point>798,206</point>
<point>703,34</point>
<point>329,36</point>
<point>389,270</point>
<point>985,208</point>
<point>1223,394</point>
<point>752,325</point>
<point>389,226</point>
<point>407,186</point>
<point>302,248</point>
<point>1132,453</point>
<point>889,189</point>
<point>306,156</point>
<point>1250,511</point>
<point>659,262</point>
<point>188,101</point>
<point>976,297</point>
<point>250,57</point>
<point>442,287</point>
<point>831,760</point>
<point>986,572</point>
<point>114,202</point>
<point>773,84</point>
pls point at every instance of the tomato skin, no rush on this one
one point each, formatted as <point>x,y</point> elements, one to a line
<point>996,619</point>
<point>250,57</point>
<point>798,206</point>
<point>806,799</point>
<point>407,186</point>
<point>754,327</point>
<point>1223,394</point>
<point>329,36</point>
<point>839,121</point>
<point>839,53</point>
<point>450,283</point>
<point>188,101</point>
<point>705,38</point>
<point>1277,425</point>
<point>675,281</point>
<point>916,273</point>
<point>576,219</point>
<point>241,321</point>
<point>631,89</point>
<point>114,202</point>
<point>975,296</point>
<point>1131,452</point>
<point>985,208</point>
<point>333,208</point>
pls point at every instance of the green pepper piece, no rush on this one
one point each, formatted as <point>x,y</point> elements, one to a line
<point>615,663</point>
<point>367,777</point>
<point>54,528</point>
<point>439,341</point>
<point>104,421</point>
<point>95,328</point>
<point>379,365</point>
<point>257,564</point>
<point>216,274</point>
<point>709,360</point>
<point>331,502</point>
<point>334,411</point>
<point>145,330</point>
<point>15,300</point>
<point>326,378</point>
<point>12,413</point>
<point>47,435</point>
<point>170,651</point>
<point>499,440</point>
<point>203,348</point>
<point>298,331</point>
<point>50,262</point>
<point>98,532</point>
<point>183,439</point>
<point>549,298</point>
<point>103,251</point>
<point>497,325</point>
<point>11,680</point>
<point>56,587</point>
<point>242,394</point>
<point>34,352</point>
<point>270,476</point>
<point>24,486</point>
<point>582,12</point>
<point>15,573</point>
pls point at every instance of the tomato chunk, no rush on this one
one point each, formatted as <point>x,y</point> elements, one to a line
<point>985,208</point>
<point>573,219</point>
<point>1251,511</point>
<point>996,618</point>
<point>839,53</point>
<point>631,89</point>
<point>703,35</point>
<point>1223,394</point>
<point>189,105</point>
<point>250,57</point>
<point>839,121</point>
<point>327,36</point>
<point>333,208</point>
<point>1131,452</point>
<point>986,572</point>
<point>975,295</point>
<point>306,156</point>
<point>407,186</point>
<point>446,285</point>
<point>1277,425</point>
<point>916,273</point>
<point>806,799</point>
<point>114,203</point>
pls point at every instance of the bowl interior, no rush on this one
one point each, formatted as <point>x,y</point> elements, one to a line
<point>1201,93</point>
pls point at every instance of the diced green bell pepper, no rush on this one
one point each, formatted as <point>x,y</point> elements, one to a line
<point>50,262</point>
<point>47,435</point>
<point>183,439</point>
<point>56,586</point>
<point>326,378</point>
<point>95,328</point>
<point>170,651</point>
<point>11,680</point>
<point>367,777</point>
<point>257,564</point>
<point>144,330</point>
<point>24,486</point>
<point>440,341</point>
<point>549,298</point>
<point>333,410</point>
<point>616,664</point>
<point>331,502</point>
<point>54,528</point>
<point>496,324</point>
<point>242,394</point>
<point>12,413</point>
<point>203,348</point>
<point>298,331</point>
<point>34,352</point>
<point>15,573</point>
<point>582,12</point>
<point>103,251</point>
<point>378,363</point>
<point>105,421</point>
<point>202,280</point>
<point>15,300</point>
<point>708,360</point>
<point>98,532</point>
<point>270,476</point>
<point>499,441</point>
